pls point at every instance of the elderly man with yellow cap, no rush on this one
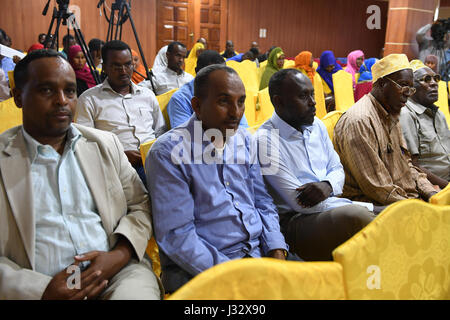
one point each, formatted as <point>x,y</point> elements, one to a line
<point>424,127</point>
<point>369,140</point>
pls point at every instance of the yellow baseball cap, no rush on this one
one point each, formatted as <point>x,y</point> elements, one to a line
<point>390,64</point>
<point>416,65</point>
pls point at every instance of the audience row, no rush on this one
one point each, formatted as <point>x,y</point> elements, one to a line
<point>74,187</point>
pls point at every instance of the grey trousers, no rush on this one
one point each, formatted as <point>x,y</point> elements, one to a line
<point>313,237</point>
<point>136,281</point>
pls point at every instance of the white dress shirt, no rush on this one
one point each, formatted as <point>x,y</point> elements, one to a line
<point>135,117</point>
<point>299,158</point>
<point>166,79</point>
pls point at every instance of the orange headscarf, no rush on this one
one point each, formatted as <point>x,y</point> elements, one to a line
<point>137,78</point>
<point>303,61</point>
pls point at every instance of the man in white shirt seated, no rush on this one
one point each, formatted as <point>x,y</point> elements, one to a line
<point>303,172</point>
<point>121,107</point>
<point>173,76</point>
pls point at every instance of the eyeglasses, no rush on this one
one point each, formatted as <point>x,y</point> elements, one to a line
<point>118,68</point>
<point>427,78</point>
<point>406,90</point>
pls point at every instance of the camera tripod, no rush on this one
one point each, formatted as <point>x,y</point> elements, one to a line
<point>64,16</point>
<point>123,10</point>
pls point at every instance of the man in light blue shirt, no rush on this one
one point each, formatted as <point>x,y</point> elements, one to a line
<point>304,173</point>
<point>209,201</point>
<point>7,64</point>
<point>179,107</point>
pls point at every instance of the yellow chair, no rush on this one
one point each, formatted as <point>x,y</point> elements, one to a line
<point>315,65</point>
<point>250,107</point>
<point>319,96</point>
<point>265,108</point>
<point>248,72</point>
<point>266,279</point>
<point>402,254</point>
<point>442,102</point>
<point>10,115</point>
<point>152,247</point>
<point>288,64</point>
<point>343,90</point>
<point>262,68</point>
<point>330,121</point>
<point>12,84</point>
<point>163,100</point>
<point>442,197</point>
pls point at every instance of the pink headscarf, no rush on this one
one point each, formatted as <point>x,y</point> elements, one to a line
<point>82,74</point>
<point>352,68</point>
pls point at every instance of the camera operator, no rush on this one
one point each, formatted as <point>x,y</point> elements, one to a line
<point>436,45</point>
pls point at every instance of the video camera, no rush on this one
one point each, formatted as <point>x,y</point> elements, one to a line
<point>63,2</point>
<point>439,29</point>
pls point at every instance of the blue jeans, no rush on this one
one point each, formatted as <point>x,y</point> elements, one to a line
<point>141,172</point>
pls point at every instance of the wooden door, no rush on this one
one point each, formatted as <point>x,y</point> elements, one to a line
<point>175,22</point>
<point>188,20</point>
<point>213,23</point>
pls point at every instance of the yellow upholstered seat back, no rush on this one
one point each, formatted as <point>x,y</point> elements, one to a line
<point>12,84</point>
<point>250,107</point>
<point>288,64</point>
<point>330,121</point>
<point>442,102</point>
<point>401,254</point>
<point>265,106</point>
<point>265,279</point>
<point>10,115</point>
<point>247,71</point>
<point>163,100</point>
<point>442,197</point>
<point>319,96</point>
<point>152,247</point>
<point>262,68</point>
<point>343,90</point>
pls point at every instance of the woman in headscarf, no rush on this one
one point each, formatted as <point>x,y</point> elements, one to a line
<point>432,62</point>
<point>275,62</point>
<point>328,66</point>
<point>304,63</point>
<point>139,73</point>
<point>364,85</point>
<point>355,59</point>
<point>85,80</point>
<point>191,61</point>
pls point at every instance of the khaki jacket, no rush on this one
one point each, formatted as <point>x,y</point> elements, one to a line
<point>119,195</point>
